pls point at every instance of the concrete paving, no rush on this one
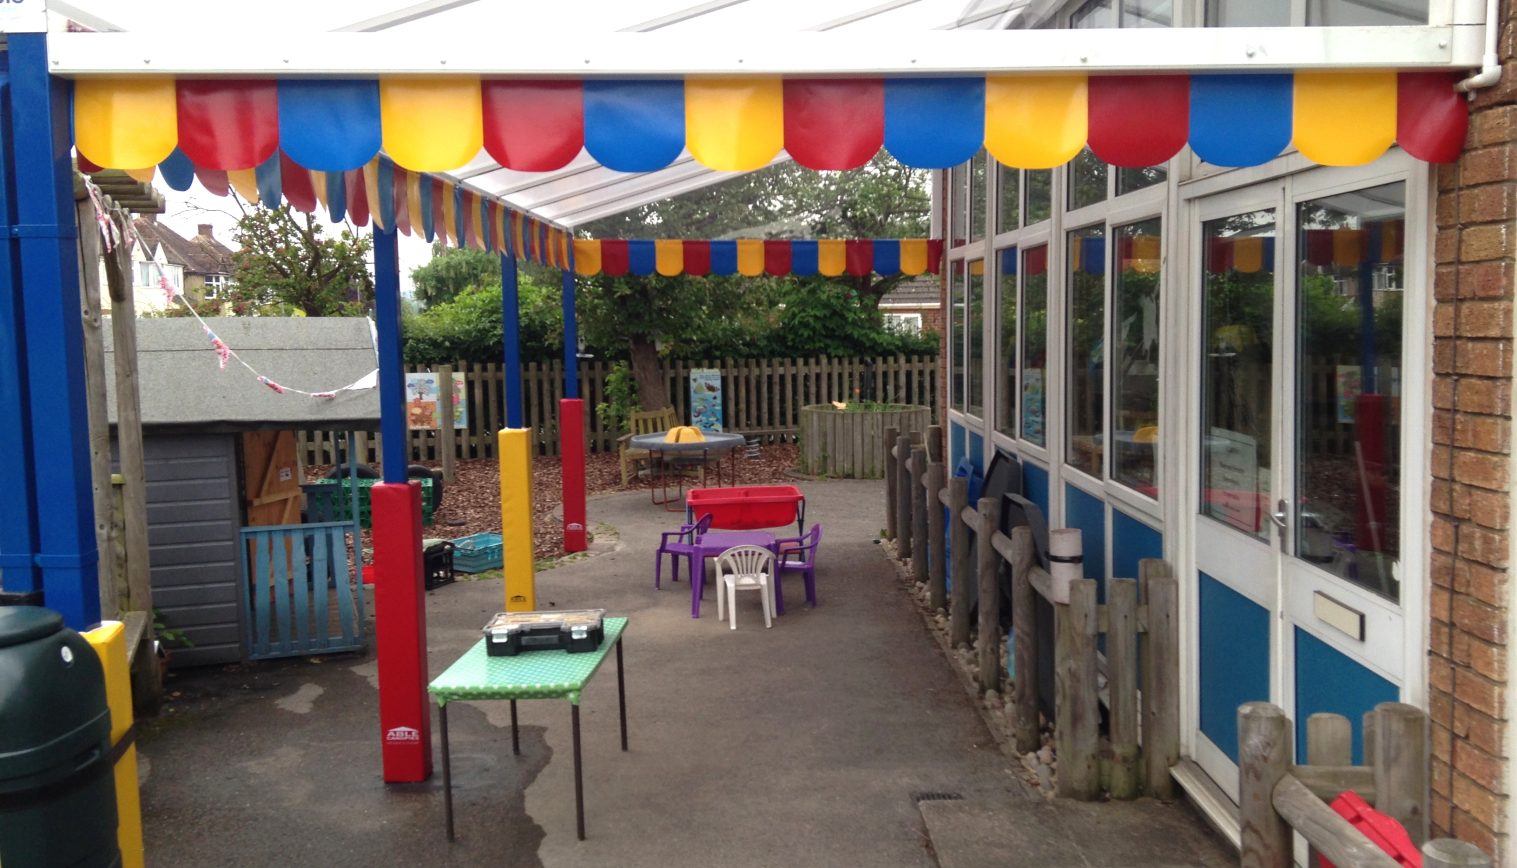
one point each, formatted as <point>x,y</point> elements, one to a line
<point>806,744</point>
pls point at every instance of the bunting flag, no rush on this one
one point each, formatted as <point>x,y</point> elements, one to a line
<point>751,257</point>
<point>440,123</point>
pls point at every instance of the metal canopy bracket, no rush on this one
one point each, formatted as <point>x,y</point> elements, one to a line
<point>835,53</point>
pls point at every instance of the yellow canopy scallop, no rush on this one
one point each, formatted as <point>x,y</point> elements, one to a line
<point>1035,121</point>
<point>586,256</point>
<point>734,125</point>
<point>431,124</point>
<point>1344,118</point>
<point>125,123</point>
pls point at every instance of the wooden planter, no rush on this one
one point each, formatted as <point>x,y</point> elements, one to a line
<point>851,443</point>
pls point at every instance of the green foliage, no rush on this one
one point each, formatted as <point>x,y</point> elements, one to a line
<point>621,398</point>
<point>824,318</point>
<point>288,265</point>
<point>468,328</point>
<point>450,271</point>
<point>171,637</point>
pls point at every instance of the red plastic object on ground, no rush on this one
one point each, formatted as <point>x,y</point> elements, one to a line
<point>748,507</point>
<point>1386,833</point>
<point>400,624</point>
<point>571,435</point>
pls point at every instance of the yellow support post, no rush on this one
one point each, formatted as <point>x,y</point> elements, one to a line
<point>516,519</point>
<point>109,641</point>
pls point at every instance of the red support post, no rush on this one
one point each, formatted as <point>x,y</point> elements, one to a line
<point>405,715</point>
<point>571,434</point>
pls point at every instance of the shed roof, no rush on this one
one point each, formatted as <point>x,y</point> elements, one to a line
<point>183,386</point>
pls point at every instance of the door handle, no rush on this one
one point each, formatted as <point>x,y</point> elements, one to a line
<point>1280,519</point>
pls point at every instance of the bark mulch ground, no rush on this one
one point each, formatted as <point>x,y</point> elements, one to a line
<point>471,504</point>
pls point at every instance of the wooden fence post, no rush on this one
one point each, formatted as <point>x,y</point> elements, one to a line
<point>990,595</point>
<point>1077,707</point>
<point>918,514</point>
<point>892,436</point>
<point>958,603</point>
<point>937,567</point>
<point>1161,676</point>
<point>1264,756</point>
<point>1329,742</point>
<point>1122,683</point>
<point>445,433</point>
<point>1400,764</point>
<point>903,496</point>
<point>1025,640</point>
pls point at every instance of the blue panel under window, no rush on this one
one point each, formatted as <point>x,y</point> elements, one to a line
<point>977,452</point>
<point>955,443</point>
<point>1035,485</point>
<point>1132,541</point>
<point>1089,515</point>
<point>1234,658</point>
<point>1328,680</point>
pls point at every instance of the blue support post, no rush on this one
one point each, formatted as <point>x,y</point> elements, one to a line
<point>510,325</point>
<point>19,579</point>
<point>571,339</point>
<point>46,242</point>
<point>392,373</point>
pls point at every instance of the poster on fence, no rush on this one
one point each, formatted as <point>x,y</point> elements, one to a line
<point>421,401</point>
<point>706,399</point>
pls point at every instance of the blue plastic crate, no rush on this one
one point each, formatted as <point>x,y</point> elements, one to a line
<point>478,552</point>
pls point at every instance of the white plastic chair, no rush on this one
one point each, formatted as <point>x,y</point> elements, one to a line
<point>745,568</point>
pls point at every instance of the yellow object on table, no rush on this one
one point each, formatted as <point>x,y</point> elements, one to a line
<point>685,434</point>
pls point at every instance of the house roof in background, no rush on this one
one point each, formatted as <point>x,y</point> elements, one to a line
<point>183,385</point>
<point>202,254</point>
<point>921,291</point>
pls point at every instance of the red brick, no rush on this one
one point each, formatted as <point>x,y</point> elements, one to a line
<point>1488,319</point>
<point>1443,393</point>
<point>1442,776</point>
<point>1459,652</point>
<point>1485,732</point>
<point>1488,660</point>
<point>1481,358</point>
<point>1443,427</point>
<point>1491,509</point>
<point>1446,246</point>
<point>1440,605</point>
<point>1482,469</point>
<point>1440,707</point>
<point>1477,765</point>
<point>1439,815</point>
<point>1441,570</point>
<point>1481,694</point>
<point>1466,828</point>
<point>1479,802</point>
<point>1484,432</point>
<point>1446,280</point>
<point>1485,165</point>
<point>1486,584</point>
<point>1485,204</point>
<point>1492,126</point>
<point>1440,675</point>
<point>1440,496</point>
<point>1477,243</point>
<point>1448,176</point>
<point>1492,279</point>
<point>1484,622</point>
<point>1482,546</point>
<point>1439,638</point>
<point>1482,396</point>
<point>1444,352</point>
<point>1443,535</point>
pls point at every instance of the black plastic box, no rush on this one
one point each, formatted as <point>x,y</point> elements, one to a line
<point>575,631</point>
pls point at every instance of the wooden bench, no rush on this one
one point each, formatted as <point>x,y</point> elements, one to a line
<point>642,422</point>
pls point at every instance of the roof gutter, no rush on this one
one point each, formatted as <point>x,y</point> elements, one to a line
<point>1490,63</point>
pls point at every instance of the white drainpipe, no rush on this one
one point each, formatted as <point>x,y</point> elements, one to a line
<point>1490,64</point>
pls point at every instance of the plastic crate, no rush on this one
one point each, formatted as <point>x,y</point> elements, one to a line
<point>332,500</point>
<point>437,562</point>
<point>478,552</point>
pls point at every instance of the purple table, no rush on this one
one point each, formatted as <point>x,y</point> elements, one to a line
<point>712,545</point>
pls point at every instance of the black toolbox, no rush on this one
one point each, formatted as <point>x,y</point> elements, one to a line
<point>573,630</point>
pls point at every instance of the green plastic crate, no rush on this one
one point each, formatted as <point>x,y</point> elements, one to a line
<point>332,500</point>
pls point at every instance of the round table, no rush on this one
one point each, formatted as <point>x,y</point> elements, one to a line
<point>673,453</point>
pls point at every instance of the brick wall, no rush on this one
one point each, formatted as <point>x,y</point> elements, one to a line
<point>1471,495</point>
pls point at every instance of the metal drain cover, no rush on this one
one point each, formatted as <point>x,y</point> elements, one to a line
<point>931,796</point>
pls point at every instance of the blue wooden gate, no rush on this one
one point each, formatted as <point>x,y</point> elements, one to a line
<point>299,589</point>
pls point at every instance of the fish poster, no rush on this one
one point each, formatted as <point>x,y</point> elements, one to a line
<point>421,401</point>
<point>706,399</point>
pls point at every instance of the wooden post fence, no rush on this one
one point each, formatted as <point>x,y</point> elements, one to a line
<point>892,434</point>
<point>937,567</point>
<point>903,522</point>
<point>918,514</point>
<point>990,596</point>
<point>446,433</point>
<point>958,608</point>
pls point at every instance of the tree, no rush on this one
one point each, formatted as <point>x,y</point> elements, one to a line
<point>880,200</point>
<point>452,270</point>
<point>468,327</point>
<point>288,264</point>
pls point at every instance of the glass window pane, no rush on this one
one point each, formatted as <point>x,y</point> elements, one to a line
<point>1238,297</point>
<point>1087,320</point>
<point>1009,198</point>
<point>1087,180</point>
<point>977,197</point>
<point>1039,195</point>
<point>1034,342</point>
<point>1340,13</point>
<point>958,189</point>
<point>974,331</point>
<point>1006,345</point>
<point>1135,338</point>
<point>1129,180</point>
<point>1147,13</point>
<point>1248,13</point>
<point>955,335</point>
<point>1348,398</point>
<point>1094,13</point>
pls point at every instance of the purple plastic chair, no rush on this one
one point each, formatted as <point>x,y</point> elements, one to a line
<point>797,554</point>
<point>679,544</point>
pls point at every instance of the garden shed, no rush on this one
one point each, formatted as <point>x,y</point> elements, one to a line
<point>221,460</point>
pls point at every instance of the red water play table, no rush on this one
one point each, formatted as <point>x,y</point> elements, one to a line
<point>747,507</point>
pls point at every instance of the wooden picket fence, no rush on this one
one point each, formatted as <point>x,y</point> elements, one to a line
<point>761,398</point>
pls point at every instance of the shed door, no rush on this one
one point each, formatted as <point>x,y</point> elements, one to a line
<point>271,478</point>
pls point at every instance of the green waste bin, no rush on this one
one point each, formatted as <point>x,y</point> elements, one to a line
<point>57,791</point>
